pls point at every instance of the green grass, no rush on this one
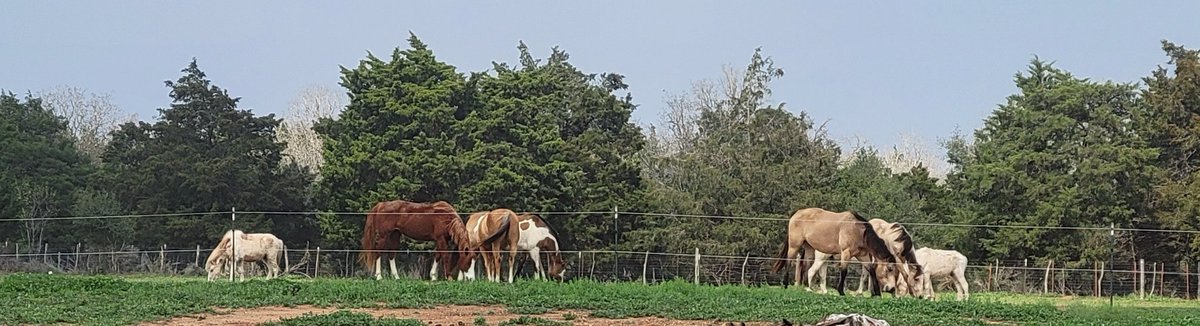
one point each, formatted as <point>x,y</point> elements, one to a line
<point>97,300</point>
<point>344,317</point>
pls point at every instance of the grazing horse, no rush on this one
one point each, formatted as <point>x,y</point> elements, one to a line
<point>943,264</point>
<point>847,233</point>
<point>489,232</point>
<point>437,222</point>
<point>899,243</point>
<point>535,236</point>
<point>249,247</point>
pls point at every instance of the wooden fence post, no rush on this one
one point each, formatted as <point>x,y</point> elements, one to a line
<point>1025,276</point>
<point>744,262</point>
<point>45,249</point>
<point>1162,279</point>
<point>1046,279</point>
<point>162,258</point>
<point>645,262</point>
<point>317,267</point>
<point>78,247</point>
<point>1153,277</point>
<point>197,256</point>
<point>696,273</point>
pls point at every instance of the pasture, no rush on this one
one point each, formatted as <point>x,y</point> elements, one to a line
<point>105,300</point>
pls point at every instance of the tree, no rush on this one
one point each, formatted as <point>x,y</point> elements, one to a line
<point>1168,120</point>
<point>398,138</point>
<point>39,162</point>
<point>1061,153</point>
<point>203,155</point>
<point>90,116</point>
<point>545,136</point>
<point>303,143</point>
<point>726,151</point>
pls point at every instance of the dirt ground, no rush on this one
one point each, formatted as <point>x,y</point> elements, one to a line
<point>442,315</point>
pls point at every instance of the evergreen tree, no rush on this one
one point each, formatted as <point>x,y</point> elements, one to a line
<point>204,155</point>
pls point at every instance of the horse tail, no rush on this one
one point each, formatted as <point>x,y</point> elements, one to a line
<point>366,257</point>
<point>783,250</point>
<point>503,229</point>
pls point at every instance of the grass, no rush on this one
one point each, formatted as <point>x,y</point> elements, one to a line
<point>344,317</point>
<point>99,300</point>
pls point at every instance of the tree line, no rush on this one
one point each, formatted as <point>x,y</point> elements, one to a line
<point>1064,152</point>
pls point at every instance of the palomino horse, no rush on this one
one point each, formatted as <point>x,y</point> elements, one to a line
<point>249,247</point>
<point>847,233</point>
<point>536,236</point>
<point>437,222</point>
<point>899,243</point>
<point>943,264</point>
<point>490,231</point>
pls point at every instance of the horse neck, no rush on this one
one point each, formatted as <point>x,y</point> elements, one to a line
<point>458,231</point>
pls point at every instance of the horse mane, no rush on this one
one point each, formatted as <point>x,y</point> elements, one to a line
<point>908,252</point>
<point>458,230</point>
<point>216,253</point>
<point>874,243</point>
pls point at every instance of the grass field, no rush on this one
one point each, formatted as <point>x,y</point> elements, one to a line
<point>51,299</point>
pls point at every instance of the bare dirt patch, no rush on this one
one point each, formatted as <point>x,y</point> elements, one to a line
<point>441,315</point>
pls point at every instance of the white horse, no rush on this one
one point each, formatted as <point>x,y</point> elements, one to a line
<point>249,247</point>
<point>943,264</point>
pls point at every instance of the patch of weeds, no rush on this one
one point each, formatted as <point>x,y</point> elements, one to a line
<point>527,320</point>
<point>570,316</point>
<point>479,321</point>
<point>344,317</point>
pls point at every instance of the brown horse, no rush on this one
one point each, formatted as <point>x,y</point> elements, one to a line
<point>490,231</point>
<point>847,233</point>
<point>437,222</point>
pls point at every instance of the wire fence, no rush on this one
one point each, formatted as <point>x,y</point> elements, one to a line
<point>1076,278</point>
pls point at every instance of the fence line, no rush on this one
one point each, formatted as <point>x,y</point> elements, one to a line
<point>1153,278</point>
<point>619,213</point>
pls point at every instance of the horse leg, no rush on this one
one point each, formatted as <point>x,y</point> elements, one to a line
<point>863,280</point>
<point>798,255</point>
<point>818,268</point>
<point>512,257</point>
<point>537,263</point>
<point>392,262</point>
<point>960,284</point>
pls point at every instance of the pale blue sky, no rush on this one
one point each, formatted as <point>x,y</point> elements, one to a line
<point>875,69</point>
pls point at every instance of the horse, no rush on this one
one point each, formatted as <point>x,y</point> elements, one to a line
<point>245,247</point>
<point>899,243</point>
<point>535,235</point>
<point>490,231</point>
<point>943,264</point>
<point>847,233</point>
<point>438,222</point>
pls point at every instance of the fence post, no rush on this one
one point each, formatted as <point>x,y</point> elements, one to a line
<point>18,252</point>
<point>1025,277</point>
<point>317,267</point>
<point>1153,277</point>
<point>162,258</point>
<point>645,261</point>
<point>45,249</point>
<point>744,268</point>
<point>696,273</point>
<point>78,246</point>
<point>1112,264</point>
<point>197,256</point>
<point>1142,278</point>
<point>1046,280</point>
<point>233,242</point>
<point>286,264</point>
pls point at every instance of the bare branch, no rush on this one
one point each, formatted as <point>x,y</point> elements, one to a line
<point>309,105</point>
<point>90,116</point>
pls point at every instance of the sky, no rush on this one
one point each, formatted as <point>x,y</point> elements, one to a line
<point>871,70</point>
